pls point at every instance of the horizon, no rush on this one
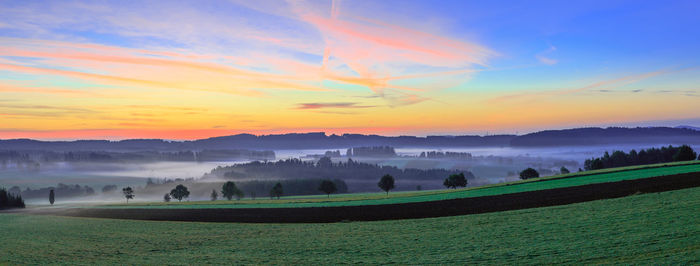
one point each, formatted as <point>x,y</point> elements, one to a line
<point>186,71</point>
<point>327,134</point>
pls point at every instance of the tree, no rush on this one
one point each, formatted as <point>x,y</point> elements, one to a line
<point>52,198</point>
<point>386,183</point>
<point>214,195</point>
<point>684,153</point>
<point>564,171</point>
<point>180,192</point>
<point>276,191</point>
<point>529,173</point>
<point>166,197</point>
<point>229,189</point>
<point>109,188</point>
<point>4,198</point>
<point>128,193</point>
<point>327,187</point>
<point>456,180</point>
<point>324,162</point>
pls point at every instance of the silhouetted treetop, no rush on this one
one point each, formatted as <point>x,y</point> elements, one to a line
<point>529,173</point>
<point>456,180</point>
<point>647,156</point>
<point>327,187</point>
<point>386,183</point>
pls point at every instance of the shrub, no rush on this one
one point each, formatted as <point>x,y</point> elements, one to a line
<point>529,173</point>
<point>454,181</point>
<point>563,170</point>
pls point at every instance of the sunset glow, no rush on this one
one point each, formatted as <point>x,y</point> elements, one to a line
<point>178,70</point>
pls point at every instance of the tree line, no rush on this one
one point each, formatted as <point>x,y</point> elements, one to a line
<point>33,158</point>
<point>647,156</point>
<point>10,200</point>
<point>324,167</point>
<point>65,190</point>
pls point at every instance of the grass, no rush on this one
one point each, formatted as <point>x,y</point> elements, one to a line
<point>658,228</point>
<point>573,179</point>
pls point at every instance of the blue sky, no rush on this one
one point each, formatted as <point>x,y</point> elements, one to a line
<point>389,67</point>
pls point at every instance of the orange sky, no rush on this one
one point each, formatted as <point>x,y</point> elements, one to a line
<point>122,71</point>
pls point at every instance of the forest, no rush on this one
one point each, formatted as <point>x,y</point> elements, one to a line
<point>324,168</point>
<point>646,156</point>
<point>10,200</point>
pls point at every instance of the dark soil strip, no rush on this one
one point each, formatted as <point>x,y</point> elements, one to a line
<point>515,201</point>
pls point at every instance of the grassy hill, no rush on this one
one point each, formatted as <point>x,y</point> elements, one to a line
<point>558,181</point>
<point>649,228</point>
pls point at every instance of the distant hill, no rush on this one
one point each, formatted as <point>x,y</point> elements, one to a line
<point>689,127</point>
<point>319,140</point>
<point>264,142</point>
<point>611,135</point>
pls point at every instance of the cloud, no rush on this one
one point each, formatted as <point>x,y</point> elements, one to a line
<point>229,50</point>
<point>118,66</point>
<point>348,105</point>
<point>543,56</point>
<point>368,52</point>
<point>14,88</point>
<point>227,57</point>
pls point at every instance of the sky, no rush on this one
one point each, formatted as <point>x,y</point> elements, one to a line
<point>196,69</point>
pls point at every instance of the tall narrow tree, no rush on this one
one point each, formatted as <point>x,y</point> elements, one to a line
<point>52,197</point>
<point>214,195</point>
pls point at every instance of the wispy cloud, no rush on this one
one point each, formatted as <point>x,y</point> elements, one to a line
<point>544,57</point>
<point>376,52</point>
<point>347,105</point>
<point>352,48</point>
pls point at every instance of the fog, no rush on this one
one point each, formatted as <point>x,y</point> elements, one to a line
<point>488,164</point>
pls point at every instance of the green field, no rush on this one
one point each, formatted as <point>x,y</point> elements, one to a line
<point>573,179</point>
<point>648,228</point>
